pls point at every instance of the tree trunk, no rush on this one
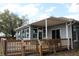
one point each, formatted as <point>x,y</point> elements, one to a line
<point>12,33</point>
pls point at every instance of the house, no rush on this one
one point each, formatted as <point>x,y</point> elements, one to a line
<point>52,28</point>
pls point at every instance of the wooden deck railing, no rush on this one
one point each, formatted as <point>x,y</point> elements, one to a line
<point>26,47</point>
<point>13,47</point>
<point>50,45</point>
<point>31,46</point>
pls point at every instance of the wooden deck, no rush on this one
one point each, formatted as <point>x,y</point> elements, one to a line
<point>26,47</point>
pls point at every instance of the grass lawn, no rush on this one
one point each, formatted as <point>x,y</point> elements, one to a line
<point>74,52</point>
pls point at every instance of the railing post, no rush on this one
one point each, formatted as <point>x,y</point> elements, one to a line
<point>40,50</point>
<point>1,47</point>
<point>40,47</point>
<point>54,46</point>
<point>22,47</point>
<point>60,43</point>
<point>37,47</point>
<point>5,47</point>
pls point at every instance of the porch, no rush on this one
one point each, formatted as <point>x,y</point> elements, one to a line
<point>54,28</point>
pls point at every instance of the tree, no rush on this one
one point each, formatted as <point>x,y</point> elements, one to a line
<point>25,19</point>
<point>9,22</point>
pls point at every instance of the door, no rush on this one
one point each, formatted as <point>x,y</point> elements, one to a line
<point>75,37</point>
<point>56,34</point>
<point>76,34</point>
<point>40,34</point>
<point>53,34</point>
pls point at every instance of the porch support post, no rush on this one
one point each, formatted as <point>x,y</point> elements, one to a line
<point>37,34</point>
<point>71,36</point>
<point>17,34</point>
<point>46,27</point>
<point>29,32</point>
<point>67,36</point>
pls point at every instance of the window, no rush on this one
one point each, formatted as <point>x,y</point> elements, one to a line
<point>24,33</point>
<point>34,30</point>
<point>34,35</point>
<point>27,33</point>
<point>18,34</point>
<point>27,30</point>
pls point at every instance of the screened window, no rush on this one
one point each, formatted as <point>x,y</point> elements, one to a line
<point>27,32</point>
<point>27,35</point>
<point>23,34</point>
<point>18,34</point>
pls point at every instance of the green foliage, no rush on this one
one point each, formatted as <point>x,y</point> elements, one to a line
<point>9,22</point>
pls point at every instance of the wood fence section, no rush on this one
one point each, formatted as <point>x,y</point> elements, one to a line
<point>30,47</point>
<point>13,47</point>
<point>50,45</point>
<point>21,47</point>
<point>1,48</point>
<point>8,38</point>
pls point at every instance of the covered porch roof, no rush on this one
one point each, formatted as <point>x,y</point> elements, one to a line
<point>52,21</point>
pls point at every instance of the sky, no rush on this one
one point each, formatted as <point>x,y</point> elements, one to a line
<point>40,9</point>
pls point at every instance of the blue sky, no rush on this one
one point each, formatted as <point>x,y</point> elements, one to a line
<point>39,11</point>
